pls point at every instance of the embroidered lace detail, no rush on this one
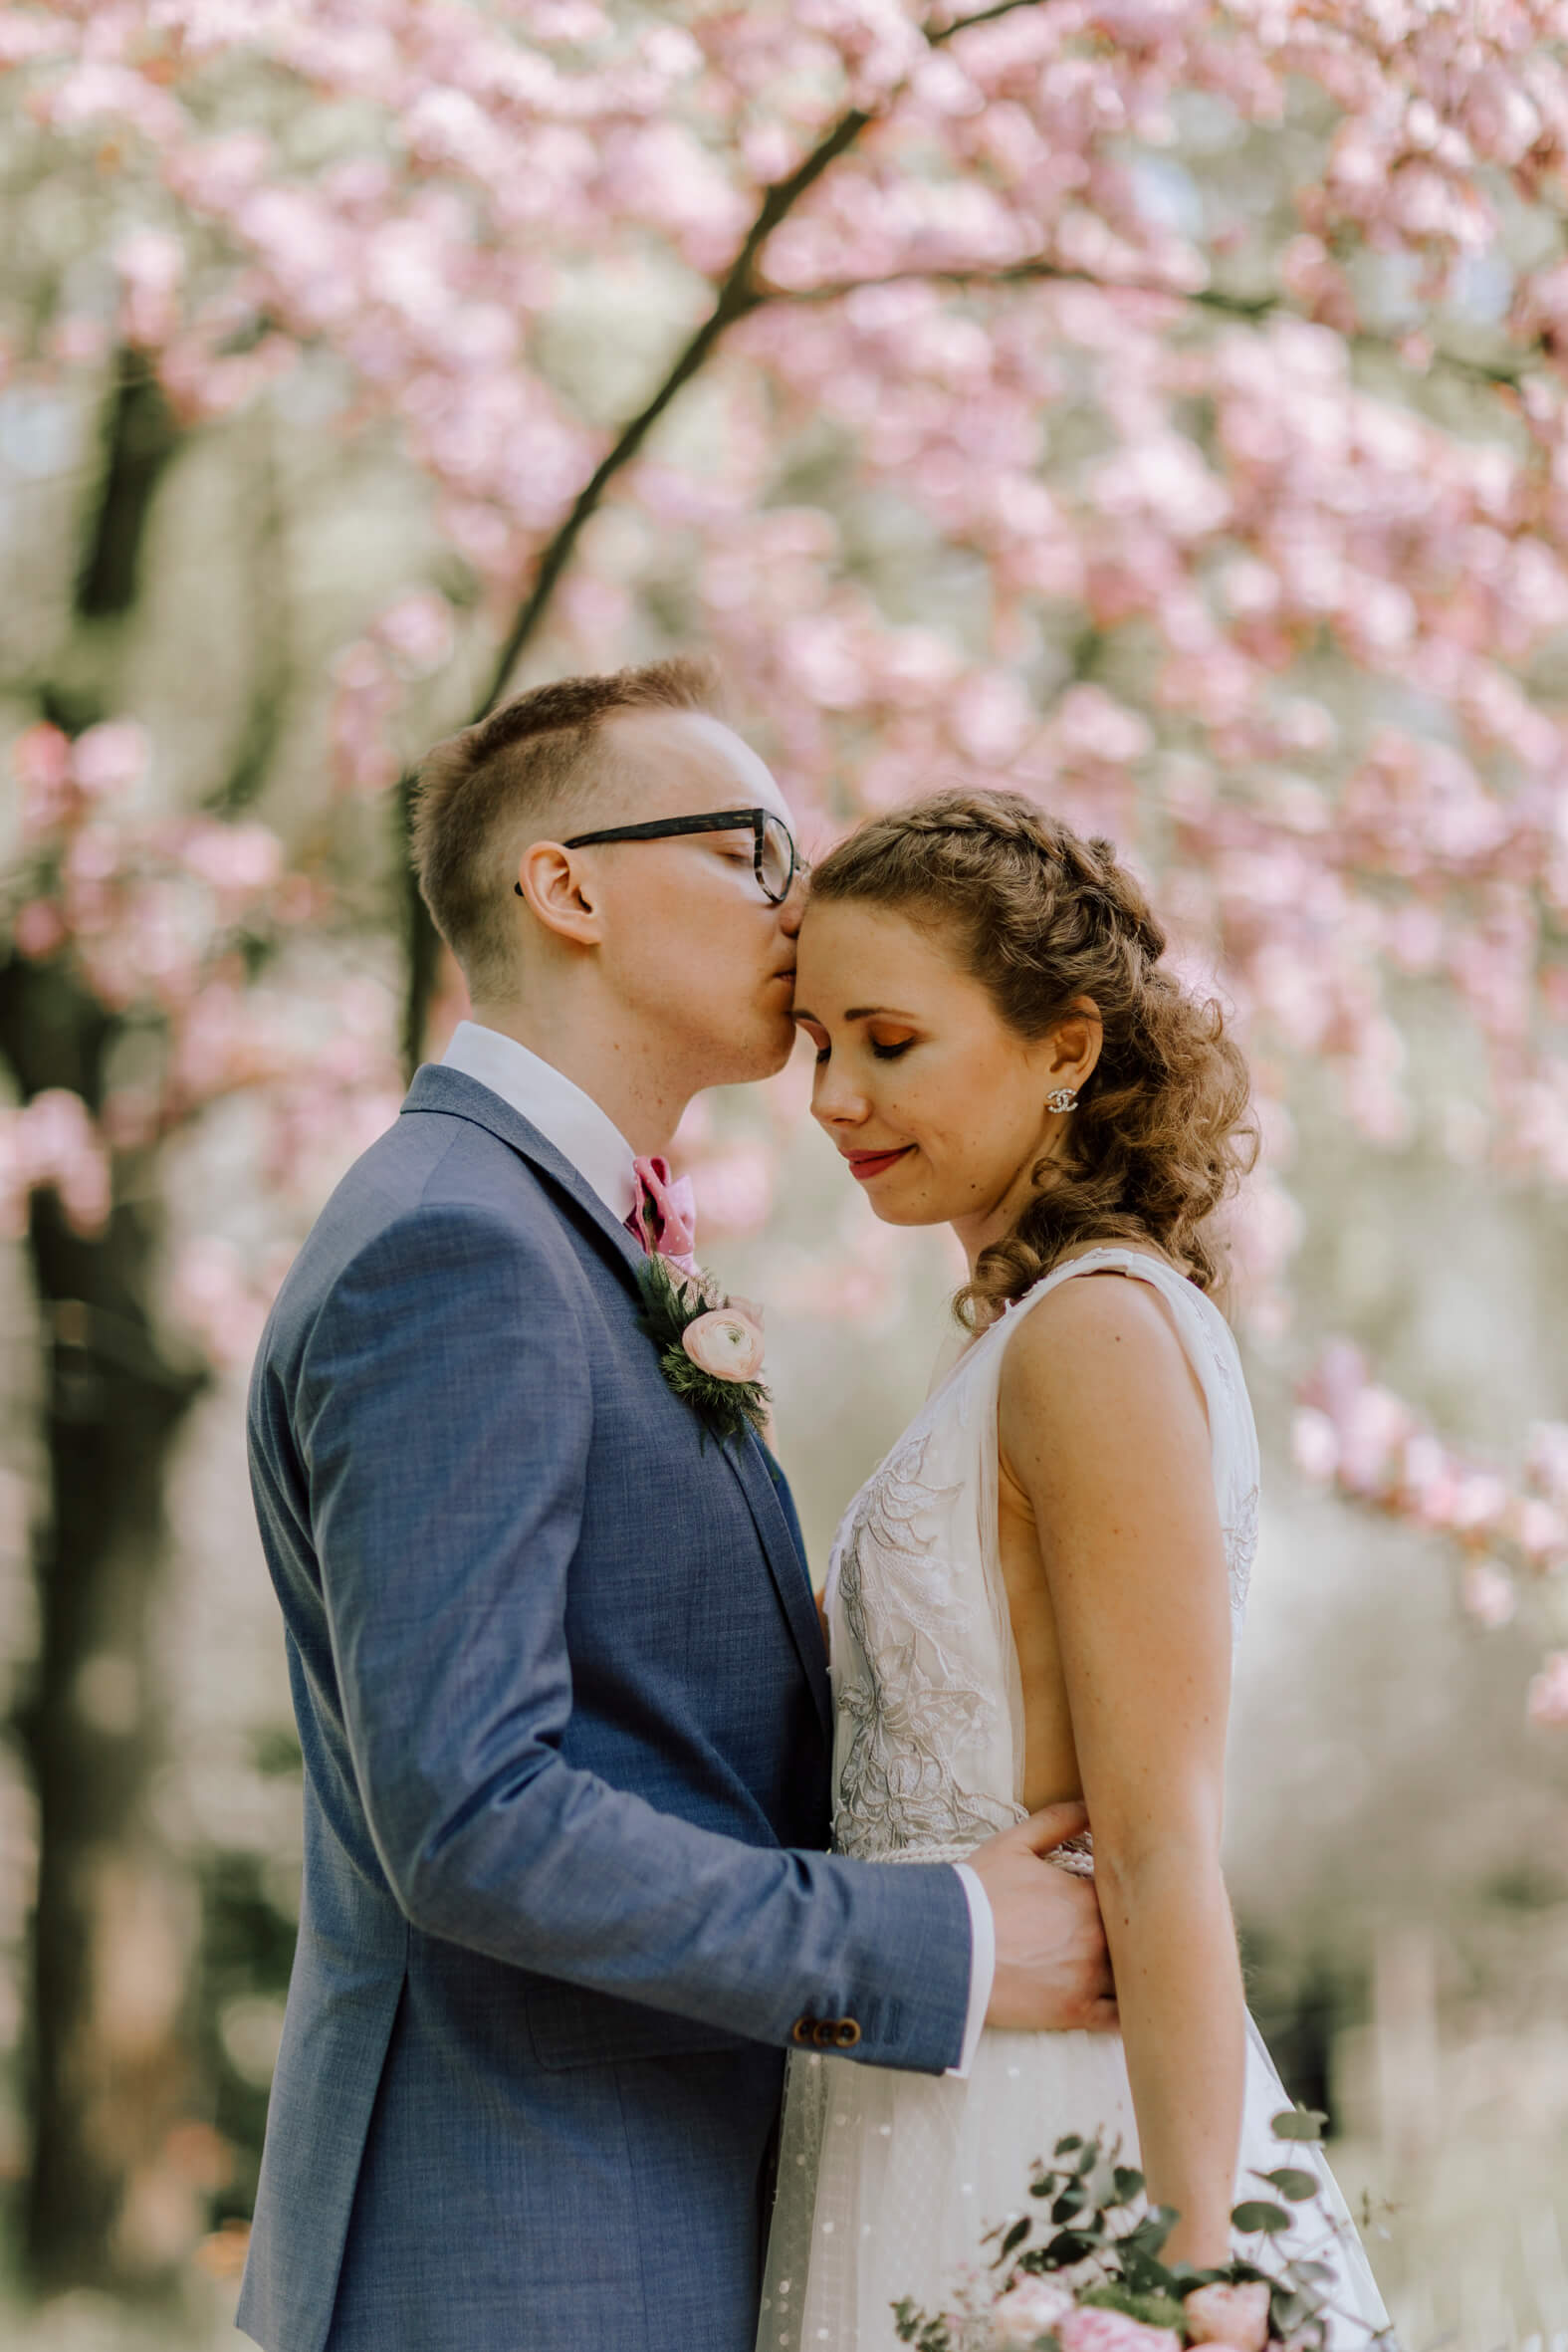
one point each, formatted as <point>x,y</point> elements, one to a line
<point>908,1720</point>
<point>1240,1551</point>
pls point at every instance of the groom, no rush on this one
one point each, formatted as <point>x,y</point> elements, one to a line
<point>555,1658</point>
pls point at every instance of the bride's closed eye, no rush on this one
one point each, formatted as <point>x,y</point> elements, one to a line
<point>887,1053</point>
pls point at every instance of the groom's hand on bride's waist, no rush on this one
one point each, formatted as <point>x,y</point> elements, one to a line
<point>1054,1973</point>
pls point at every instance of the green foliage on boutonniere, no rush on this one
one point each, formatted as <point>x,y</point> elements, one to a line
<point>710,1347</point>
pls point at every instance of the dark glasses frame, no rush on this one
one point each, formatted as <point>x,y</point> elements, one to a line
<point>714,821</point>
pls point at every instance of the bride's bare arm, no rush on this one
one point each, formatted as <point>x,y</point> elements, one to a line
<point>1103,1427</point>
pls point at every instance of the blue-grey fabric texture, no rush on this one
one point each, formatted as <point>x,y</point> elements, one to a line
<point>565,1724</point>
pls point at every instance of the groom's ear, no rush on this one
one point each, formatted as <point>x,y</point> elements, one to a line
<point>555,885</point>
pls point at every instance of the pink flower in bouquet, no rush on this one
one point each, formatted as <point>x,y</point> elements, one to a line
<point>725,1345</point>
<point>1027,2310</point>
<point>1089,2328</point>
<point>1234,2315</point>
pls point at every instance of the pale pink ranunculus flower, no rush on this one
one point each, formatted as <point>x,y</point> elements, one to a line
<point>725,1344</point>
<point>1089,2328</point>
<point>1235,2315</point>
<point>1027,2310</point>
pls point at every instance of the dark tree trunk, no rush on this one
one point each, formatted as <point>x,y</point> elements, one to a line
<point>109,2073</point>
<point>140,437</point>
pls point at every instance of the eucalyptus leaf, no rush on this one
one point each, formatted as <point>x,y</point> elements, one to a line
<point>1291,2183</point>
<point>1299,2123</point>
<point>1068,2246</point>
<point>1257,2217</point>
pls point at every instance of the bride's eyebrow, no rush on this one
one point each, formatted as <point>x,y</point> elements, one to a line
<point>856,1012</point>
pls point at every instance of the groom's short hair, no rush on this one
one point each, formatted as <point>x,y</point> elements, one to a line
<point>536,755</point>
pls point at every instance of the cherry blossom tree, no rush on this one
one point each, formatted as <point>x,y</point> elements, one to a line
<point>124,1015</point>
<point>1158,406</point>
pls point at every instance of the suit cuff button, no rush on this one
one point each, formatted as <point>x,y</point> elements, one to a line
<point>801,2030</point>
<point>846,2033</point>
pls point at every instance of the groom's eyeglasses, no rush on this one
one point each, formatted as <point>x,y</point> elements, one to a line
<point>774,859</point>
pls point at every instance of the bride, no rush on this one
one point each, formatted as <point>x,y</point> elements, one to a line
<point>1035,1596</point>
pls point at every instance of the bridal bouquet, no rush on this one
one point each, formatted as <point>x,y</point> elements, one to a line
<point>1087,2274</point>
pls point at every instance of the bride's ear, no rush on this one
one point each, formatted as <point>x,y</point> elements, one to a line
<point>1074,1045</point>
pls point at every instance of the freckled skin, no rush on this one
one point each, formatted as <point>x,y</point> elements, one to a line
<point>1052,1768</point>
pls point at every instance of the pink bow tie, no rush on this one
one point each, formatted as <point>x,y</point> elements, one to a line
<point>664,1215</point>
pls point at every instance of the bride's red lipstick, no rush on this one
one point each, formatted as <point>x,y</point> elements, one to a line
<point>865,1164</point>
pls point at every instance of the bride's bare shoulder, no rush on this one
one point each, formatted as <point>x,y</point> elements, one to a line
<point>1103,1339</point>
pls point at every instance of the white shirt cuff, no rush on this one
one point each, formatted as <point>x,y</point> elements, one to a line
<point>982,1966</point>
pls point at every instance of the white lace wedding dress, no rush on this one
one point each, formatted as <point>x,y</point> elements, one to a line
<point>888,2181</point>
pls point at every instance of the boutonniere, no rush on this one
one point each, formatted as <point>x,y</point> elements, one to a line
<point>710,1346</point>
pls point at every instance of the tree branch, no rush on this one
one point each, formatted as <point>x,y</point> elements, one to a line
<point>739,293</point>
<point>736,295</point>
<point>984,15</point>
<point>1248,307</point>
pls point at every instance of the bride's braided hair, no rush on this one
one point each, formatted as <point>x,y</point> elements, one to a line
<point>1161,1133</point>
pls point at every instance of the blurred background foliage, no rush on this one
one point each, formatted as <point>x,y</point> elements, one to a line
<point>1158,406</point>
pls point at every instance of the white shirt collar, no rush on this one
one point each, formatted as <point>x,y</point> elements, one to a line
<point>553,1103</point>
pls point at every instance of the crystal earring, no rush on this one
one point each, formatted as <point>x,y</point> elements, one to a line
<point>1062,1098</point>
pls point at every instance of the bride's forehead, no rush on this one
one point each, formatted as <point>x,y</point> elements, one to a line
<point>845,928</point>
<point>846,940</point>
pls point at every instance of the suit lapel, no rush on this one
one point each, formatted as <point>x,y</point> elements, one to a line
<point>454,1093</point>
<point>759,1480</point>
<point>459,1096</point>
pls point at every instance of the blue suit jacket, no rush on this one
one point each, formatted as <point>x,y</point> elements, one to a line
<point>566,1722</point>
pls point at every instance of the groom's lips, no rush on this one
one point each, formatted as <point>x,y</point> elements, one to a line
<point>865,1164</point>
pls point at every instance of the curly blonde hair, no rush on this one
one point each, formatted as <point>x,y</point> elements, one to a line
<point>1044,918</point>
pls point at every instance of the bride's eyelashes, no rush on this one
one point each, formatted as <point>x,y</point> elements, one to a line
<point>882,1048</point>
<point>878,1052</point>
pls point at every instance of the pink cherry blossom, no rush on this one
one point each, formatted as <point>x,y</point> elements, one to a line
<point>1488,1595</point>
<point>1548,1697</point>
<point>52,1144</point>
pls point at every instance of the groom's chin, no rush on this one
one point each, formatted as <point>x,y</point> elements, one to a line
<point>765,1054</point>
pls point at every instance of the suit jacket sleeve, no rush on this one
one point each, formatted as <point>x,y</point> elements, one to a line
<point>443,1413</point>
